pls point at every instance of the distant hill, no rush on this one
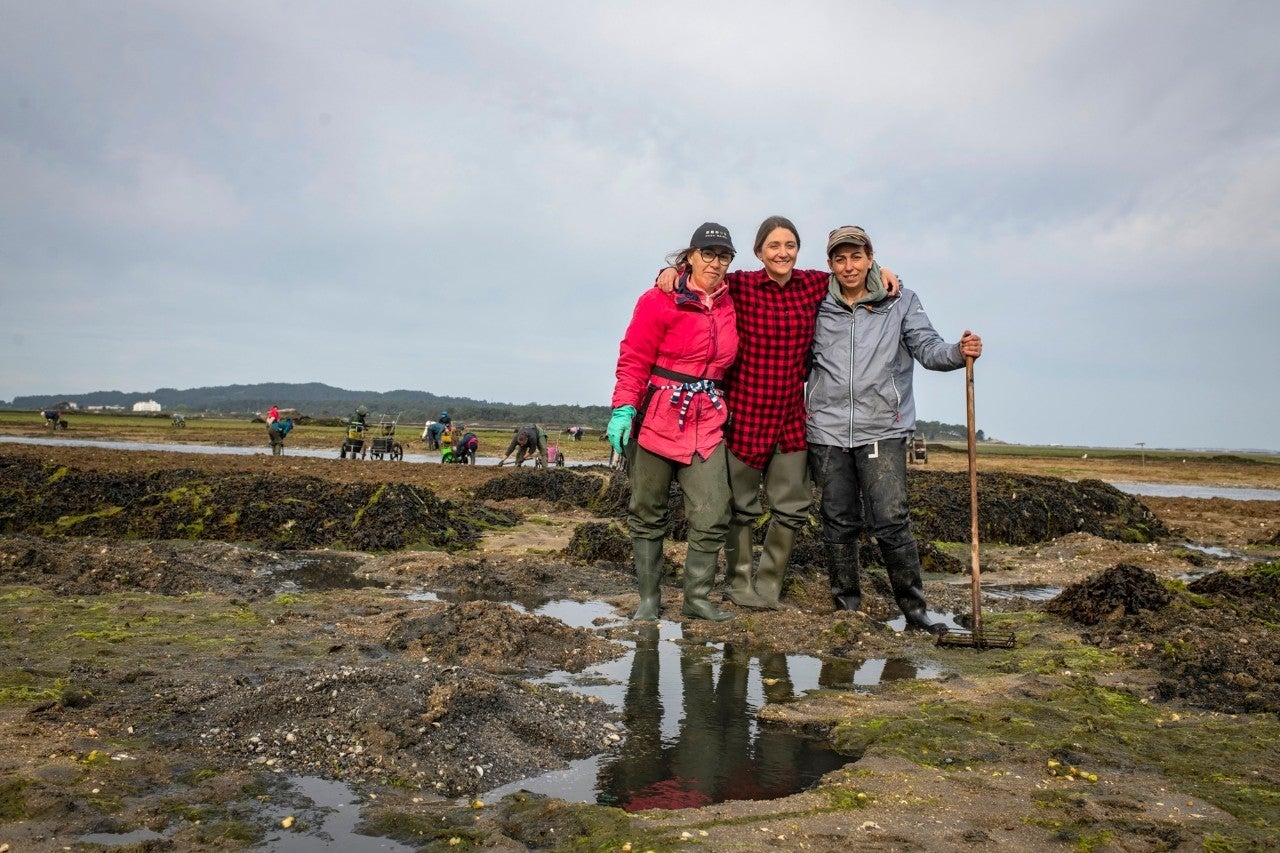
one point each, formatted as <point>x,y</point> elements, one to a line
<point>319,400</point>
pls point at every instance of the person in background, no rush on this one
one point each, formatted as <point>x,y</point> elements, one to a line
<point>354,443</point>
<point>431,434</point>
<point>775,307</point>
<point>528,439</point>
<point>864,349</point>
<point>465,449</point>
<point>276,431</point>
<point>273,414</point>
<point>669,416</point>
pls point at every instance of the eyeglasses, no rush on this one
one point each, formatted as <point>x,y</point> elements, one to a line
<point>710,256</point>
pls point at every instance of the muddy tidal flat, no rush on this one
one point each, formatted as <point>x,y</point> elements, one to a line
<point>196,650</point>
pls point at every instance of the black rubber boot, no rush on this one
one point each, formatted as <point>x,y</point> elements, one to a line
<point>737,556</point>
<point>648,557</point>
<point>843,570</point>
<point>699,575</point>
<point>903,567</point>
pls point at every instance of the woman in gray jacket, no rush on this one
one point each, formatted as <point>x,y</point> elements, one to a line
<point>861,415</point>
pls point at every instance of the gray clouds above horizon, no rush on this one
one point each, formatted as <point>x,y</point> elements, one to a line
<point>468,198</point>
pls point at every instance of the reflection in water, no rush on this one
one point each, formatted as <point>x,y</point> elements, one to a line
<point>718,752</point>
<point>839,673</point>
<point>690,713</point>
<point>318,571</point>
<point>327,816</point>
<point>1031,592</point>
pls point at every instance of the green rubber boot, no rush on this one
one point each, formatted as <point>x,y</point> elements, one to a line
<point>737,555</point>
<point>699,575</point>
<point>648,557</point>
<point>778,542</point>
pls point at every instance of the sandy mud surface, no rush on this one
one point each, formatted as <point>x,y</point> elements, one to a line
<point>181,633</point>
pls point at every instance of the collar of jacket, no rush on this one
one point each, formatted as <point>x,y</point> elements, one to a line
<point>685,294</point>
<point>871,297</point>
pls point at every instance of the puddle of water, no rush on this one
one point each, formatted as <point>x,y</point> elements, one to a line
<point>580,614</point>
<point>689,712</point>
<point>318,571</point>
<point>324,812</point>
<point>843,674</point>
<point>1211,550</point>
<point>1032,592</point>
<point>119,839</point>
<point>1181,490</point>
<point>525,600</point>
<point>325,815</point>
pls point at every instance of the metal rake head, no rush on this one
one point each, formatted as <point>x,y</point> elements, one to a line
<point>959,638</point>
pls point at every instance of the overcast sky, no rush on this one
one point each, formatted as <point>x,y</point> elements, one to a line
<point>467,198</point>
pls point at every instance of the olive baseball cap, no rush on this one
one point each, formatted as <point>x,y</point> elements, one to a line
<point>847,234</point>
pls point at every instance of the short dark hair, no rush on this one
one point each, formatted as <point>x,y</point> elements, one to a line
<point>771,223</point>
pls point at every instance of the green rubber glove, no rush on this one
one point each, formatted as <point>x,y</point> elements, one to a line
<point>619,430</point>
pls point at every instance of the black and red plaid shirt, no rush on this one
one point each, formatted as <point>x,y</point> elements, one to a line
<point>765,386</point>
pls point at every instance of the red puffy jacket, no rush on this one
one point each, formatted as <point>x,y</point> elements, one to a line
<point>677,332</point>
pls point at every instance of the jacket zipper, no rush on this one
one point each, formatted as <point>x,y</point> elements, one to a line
<point>712,348</point>
<point>853,317</point>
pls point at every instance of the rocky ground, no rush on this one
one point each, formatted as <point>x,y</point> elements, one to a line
<point>180,631</point>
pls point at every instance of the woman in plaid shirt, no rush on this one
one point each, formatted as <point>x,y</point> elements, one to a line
<point>776,307</point>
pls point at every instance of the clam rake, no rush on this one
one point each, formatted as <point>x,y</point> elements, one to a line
<point>976,638</point>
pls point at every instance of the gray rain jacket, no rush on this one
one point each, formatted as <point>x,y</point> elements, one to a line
<point>859,386</point>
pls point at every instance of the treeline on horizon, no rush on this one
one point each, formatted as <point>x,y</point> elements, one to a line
<point>317,400</point>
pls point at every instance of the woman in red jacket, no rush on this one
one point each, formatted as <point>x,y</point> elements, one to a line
<point>674,353</point>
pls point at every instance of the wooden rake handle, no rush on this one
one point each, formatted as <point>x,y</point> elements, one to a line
<point>975,569</point>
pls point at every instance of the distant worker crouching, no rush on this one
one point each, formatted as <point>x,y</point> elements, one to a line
<point>431,434</point>
<point>527,438</point>
<point>464,451</point>
<point>276,431</point>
